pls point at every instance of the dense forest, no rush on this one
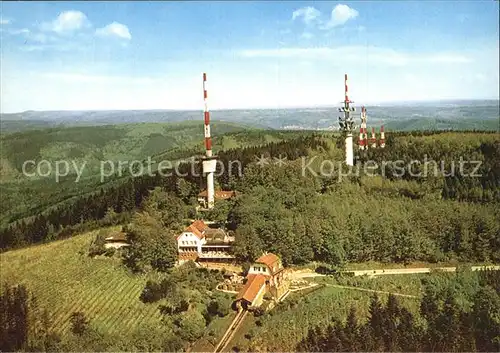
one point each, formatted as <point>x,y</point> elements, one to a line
<point>459,315</point>
<point>303,216</point>
<point>306,216</point>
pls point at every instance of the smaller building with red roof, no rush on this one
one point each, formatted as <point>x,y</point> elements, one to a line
<point>266,275</point>
<point>218,195</point>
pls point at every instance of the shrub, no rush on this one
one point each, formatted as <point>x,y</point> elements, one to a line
<point>79,323</point>
<point>97,246</point>
<point>110,252</point>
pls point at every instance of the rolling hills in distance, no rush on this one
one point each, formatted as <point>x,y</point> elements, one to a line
<point>88,146</point>
<point>94,136</point>
<point>405,116</point>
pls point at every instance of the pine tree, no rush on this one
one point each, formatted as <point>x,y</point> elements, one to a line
<point>486,320</point>
<point>391,323</point>
<point>448,325</point>
<point>376,322</point>
<point>351,332</point>
<point>333,341</point>
<point>429,309</point>
<point>408,334</point>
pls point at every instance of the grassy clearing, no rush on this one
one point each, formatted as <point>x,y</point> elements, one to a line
<point>241,338</point>
<point>403,284</point>
<point>65,280</point>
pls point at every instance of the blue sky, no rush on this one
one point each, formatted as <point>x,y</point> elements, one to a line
<point>151,55</point>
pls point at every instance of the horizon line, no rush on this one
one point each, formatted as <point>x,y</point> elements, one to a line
<point>394,103</point>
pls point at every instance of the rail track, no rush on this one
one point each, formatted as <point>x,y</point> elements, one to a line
<point>229,334</point>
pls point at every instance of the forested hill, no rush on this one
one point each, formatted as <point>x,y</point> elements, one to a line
<point>443,115</point>
<point>85,148</point>
<point>96,143</point>
<point>379,215</point>
<point>88,149</point>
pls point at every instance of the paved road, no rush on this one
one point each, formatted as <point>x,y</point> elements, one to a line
<point>395,271</point>
<point>373,291</point>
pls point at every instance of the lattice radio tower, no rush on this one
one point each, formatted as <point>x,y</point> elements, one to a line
<point>347,126</point>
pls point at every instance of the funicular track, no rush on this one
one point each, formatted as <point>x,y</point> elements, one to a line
<point>229,334</point>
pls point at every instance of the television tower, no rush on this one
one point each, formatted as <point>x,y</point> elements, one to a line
<point>347,125</point>
<point>209,161</point>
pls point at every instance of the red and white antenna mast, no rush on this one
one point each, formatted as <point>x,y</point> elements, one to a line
<point>361,140</point>
<point>382,137</point>
<point>373,140</point>
<point>208,138</point>
<point>209,162</point>
<point>362,131</point>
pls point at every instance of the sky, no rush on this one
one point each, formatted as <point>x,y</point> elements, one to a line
<point>263,54</point>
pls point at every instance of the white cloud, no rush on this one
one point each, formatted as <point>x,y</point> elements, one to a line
<point>311,16</point>
<point>340,14</point>
<point>348,53</point>
<point>356,54</point>
<point>67,21</point>
<point>114,29</point>
<point>308,14</point>
<point>5,21</point>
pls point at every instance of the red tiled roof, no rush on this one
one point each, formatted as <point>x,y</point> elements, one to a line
<point>197,228</point>
<point>219,194</point>
<point>195,231</point>
<point>268,259</point>
<point>117,236</point>
<point>200,225</point>
<point>252,287</point>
